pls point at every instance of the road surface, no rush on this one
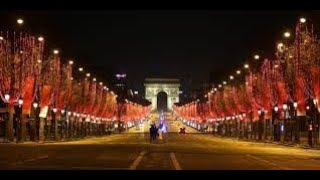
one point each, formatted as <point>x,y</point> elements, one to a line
<point>133,151</point>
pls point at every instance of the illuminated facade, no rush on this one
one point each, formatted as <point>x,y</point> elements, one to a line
<point>154,86</point>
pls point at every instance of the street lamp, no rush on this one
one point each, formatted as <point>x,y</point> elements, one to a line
<point>284,106</point>
<point>238,72</point>
<point>1,38</point>
<point>224,82</point>
<point>88,74</point>
<point>231,77</point>
<point>20,101</point>
<point>40,38</point>
<point>35,105</point>
<point>20,21</point>
<point>80,69</point>
<point>55,51</point>
<point>276,109</point>
<point>71,62</point>
<point>303,20</point>
<point>55,110</point>
<point>259,112</point>
<point>246,66</point>
<point>7,97</point>
<point>256,57</point>
<point>63,111</point>
<point>286,34</point>
<point>295,105</point>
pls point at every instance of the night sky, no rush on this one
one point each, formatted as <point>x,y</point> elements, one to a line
<point>194,44</point>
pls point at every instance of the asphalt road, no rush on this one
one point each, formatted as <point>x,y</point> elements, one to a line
<point>132,150</point>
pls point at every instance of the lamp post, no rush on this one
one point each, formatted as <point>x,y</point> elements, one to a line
<point>62,126</point>
<point>276,124</point>
<point>6,98</point>
<point>297,124</point>
<point>284,107</point>
<point>54,118</point>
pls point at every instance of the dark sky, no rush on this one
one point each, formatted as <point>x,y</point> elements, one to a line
<point>159,43</point>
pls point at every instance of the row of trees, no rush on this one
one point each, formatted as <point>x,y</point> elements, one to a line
<point>273,98</point>
<point>49,97</point>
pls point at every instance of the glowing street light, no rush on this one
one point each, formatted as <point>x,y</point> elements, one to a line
<point>295,105</point>
<point>256,57</point>
<point>231,77</point>
<point>20,21</point>
<point>20,101</point>
<point>63,111</point>
<point>238,72</point>
<point>55,110</point>
<point>215,89</point>
<point>80,69</point>
<point>94,79</point>
<point>7,97</point>
<point>259,112</point>
<point>303,20</point>
<point>219,85</point>
<point>55,51</point>
<point>88,74</point>
<point>287,34</point>
<point>284,106</point>
<point>71,62</point>
<point>246,66</point>
<point>40,38</point>
<point>1,38</point>
<point>276,109</point>
<point>35,105</point>
<point>224,82</point>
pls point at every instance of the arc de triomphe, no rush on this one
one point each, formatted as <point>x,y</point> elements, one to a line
<point>153,86</point>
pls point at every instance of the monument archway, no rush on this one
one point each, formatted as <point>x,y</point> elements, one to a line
<point>162,101</point>
<point>156,86</point>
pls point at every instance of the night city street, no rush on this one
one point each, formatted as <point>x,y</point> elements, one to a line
<point>159,90</point>
<point>132,150</point>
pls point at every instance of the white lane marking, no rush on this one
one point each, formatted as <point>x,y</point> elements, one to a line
<point>137,161</point>
<point>268,162</point>
<point>175,161</point>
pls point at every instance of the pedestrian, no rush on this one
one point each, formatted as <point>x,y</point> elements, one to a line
<point>151,132</point>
